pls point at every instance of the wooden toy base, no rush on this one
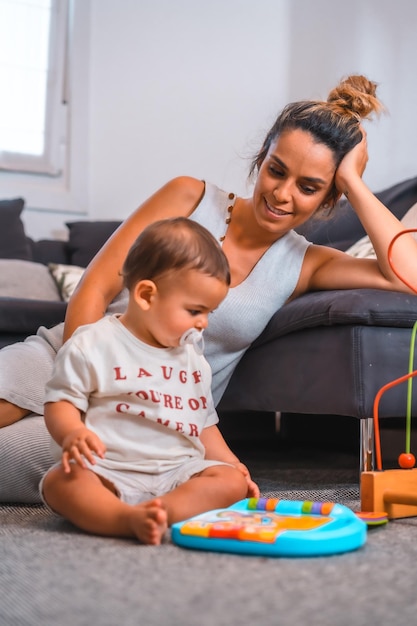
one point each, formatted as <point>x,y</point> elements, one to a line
<point>393,491</point>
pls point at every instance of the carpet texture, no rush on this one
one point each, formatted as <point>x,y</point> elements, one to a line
<point>51,573</point>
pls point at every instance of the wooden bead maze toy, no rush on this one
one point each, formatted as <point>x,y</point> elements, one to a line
<point>395,490</point>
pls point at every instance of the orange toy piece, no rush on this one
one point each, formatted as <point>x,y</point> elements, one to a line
<point>393,491</point>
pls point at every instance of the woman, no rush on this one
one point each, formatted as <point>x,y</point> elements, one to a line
<point>315,152</point>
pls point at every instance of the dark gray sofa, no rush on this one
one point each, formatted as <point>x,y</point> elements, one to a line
<point>326,353</point>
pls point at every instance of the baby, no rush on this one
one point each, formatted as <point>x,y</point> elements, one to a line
<point>129,403</point>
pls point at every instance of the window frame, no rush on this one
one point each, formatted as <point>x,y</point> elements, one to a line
<point>52,161</point>
<point>66,193</point>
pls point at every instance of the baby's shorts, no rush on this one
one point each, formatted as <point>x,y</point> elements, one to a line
<point>135,487</point>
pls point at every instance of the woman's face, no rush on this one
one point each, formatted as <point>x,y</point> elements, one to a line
<point>294,180</point>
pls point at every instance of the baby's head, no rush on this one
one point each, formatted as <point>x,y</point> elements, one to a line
<point>176,274</point>
<point>172,245</point>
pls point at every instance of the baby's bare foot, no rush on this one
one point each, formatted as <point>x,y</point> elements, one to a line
<point>149,521</point>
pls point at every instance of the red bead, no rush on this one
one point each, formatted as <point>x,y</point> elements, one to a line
<point>406,460</point>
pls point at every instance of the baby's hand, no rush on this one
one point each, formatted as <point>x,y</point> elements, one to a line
<point>253,489</point>
<point>80,444</point>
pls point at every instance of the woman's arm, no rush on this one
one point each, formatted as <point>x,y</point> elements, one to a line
<point>102,281</point>
<point>326,268</point>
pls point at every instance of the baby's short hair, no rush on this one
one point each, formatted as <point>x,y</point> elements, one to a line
<point>174,244</point>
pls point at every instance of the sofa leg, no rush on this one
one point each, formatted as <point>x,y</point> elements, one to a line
<point>366,460</point>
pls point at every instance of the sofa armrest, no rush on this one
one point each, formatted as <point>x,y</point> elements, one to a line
<point>366,307</point>
<point>23,316</point>
<point>328,353</point>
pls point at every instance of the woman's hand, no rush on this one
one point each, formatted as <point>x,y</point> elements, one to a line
<point>79,444</point>
<point>352,165</point>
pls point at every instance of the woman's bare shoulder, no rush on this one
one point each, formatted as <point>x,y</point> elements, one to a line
<point>186,187</point>
<point>179,196</point>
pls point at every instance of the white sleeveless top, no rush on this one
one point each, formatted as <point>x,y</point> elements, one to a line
<point>249,306</point>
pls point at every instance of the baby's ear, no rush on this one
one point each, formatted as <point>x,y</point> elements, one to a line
<point>143,292</point>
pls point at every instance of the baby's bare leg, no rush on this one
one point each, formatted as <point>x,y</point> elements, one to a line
<point>10,413</point>
<point>83,499</point>
<point>216,487</point>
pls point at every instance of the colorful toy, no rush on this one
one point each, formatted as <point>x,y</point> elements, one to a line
<point>373,518</point>
<point>394,491</point>
<point>271,527</point>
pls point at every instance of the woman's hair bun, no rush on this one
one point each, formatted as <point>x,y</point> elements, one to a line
<point>355,94</point>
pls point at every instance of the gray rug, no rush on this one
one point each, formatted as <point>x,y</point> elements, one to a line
<point>51,573</point>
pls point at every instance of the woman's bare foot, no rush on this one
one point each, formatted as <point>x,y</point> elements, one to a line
<point>149,521</point>
<point>10,413</point>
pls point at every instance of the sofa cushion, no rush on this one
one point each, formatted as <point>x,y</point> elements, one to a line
<point>49,251</point>
<point>66,277</point>
<point>364,249</point>
<point>86,238</point>
<point>26,279</point>
<point>13,241</point>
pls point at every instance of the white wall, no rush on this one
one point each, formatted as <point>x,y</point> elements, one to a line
<point>180,87</point>
<point>190,87</point>
<point>378,38</point>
